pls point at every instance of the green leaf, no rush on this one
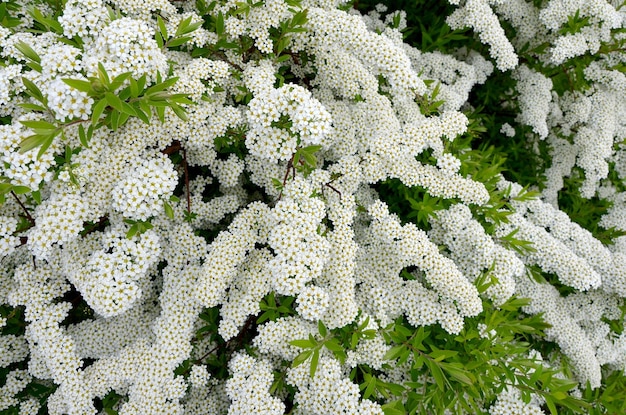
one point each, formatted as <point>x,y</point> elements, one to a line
<point>161,113</point>
<point>436,373</point>
<point>28,52</point>
<point>394,352</point>
<point>83,86</point>
<point>31,107</point>
<point>333,345</point>
<point>132,231</point>
<point>550,404</point>
<point>36,196</point>
<point>102,74</point>
<point>32,142</point>
<point>34,91</point>
<point>394,408</point>
<point>134,88</point>
<point>97,111</point>
<point>39,126</point>
<point>322,328</point>
<point>305,344</point>
<point>162,27</point>
<point>370,385</point>
<point>301,358</point>
<point>161,86</point>
<point>314,361</point>
<point>219,24</point>
<point>169,211</point>
<point>179,111</point>
<point>158,37</point>
<point>114,101</point>
<point>82,136</point>
<point>119,80</point>
<point>439,355</point>
<point>177,41</point>
<point>142,115</point>
<point>20,190</point>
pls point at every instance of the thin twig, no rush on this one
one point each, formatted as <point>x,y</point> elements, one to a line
<point>28,216</point>
<point>185,167</point>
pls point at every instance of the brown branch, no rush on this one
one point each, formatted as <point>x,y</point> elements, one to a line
<point>185,167</point>
<point>28,216</point>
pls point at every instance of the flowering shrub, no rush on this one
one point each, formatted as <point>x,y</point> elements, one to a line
<point>312,207</point>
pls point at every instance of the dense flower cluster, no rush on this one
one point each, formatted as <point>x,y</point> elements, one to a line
<point>260,207</point>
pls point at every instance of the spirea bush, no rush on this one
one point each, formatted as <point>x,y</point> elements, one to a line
<point>312,207</point>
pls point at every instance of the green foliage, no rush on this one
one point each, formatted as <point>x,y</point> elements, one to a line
<point>458,372</point>
<point>137,227</point>
<point>273,308</point>
<point>314,344</point>
<point>586,212</point>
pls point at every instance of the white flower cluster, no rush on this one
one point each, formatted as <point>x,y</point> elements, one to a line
<point>254,220</point>
<point>249,387</point>
<point>67,102</point>
<point>458,297</point>
<point>8,242</point>
<point>84,18</point>
<point>565,330</point>
<point>24,169</point>
<point>308,122</point>
<point>127,45</point>
<point>474,252</point>
<point>510,402</point>
<point>328,392</point>
<point>300,251</point>
<point>479,15</point>
<point>148,183</point>
<point>601,15</point>
<point>535,94</point>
